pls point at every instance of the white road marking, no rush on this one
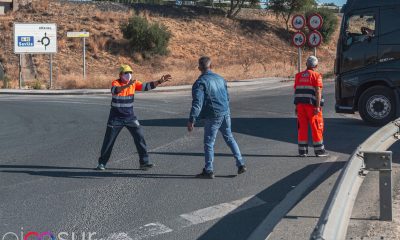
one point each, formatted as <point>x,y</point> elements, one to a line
<point>190,219</point>
<point>274,217</point>
<point>146,231</point>
<point>149,230</point>
<point>118,236</point>
<point>221,210</point>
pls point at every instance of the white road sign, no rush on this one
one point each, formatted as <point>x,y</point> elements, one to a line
<point>299,39</point>
<point>77,34</point>
<point>298,22</point>
<point>314,39</point>
<point>35,38</point>
<point>315,22</point>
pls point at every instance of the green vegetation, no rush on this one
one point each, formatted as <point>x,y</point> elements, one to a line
<point>330,22</point>
<point>6,82</point>
<point>145,37</point>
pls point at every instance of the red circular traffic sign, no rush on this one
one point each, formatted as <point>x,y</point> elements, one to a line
<point>299,39</point>
<point>298,22</point>
<point>314,39</point>
<point>315,21</point>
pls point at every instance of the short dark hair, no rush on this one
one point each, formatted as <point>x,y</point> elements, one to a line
<point>204,63</point>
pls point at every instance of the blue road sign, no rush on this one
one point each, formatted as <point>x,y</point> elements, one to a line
<point>26,41</point>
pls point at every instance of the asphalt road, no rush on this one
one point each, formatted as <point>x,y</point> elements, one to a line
<point>49,146</point>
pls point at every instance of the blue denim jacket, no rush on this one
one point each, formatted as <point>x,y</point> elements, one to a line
<point>210,97</point>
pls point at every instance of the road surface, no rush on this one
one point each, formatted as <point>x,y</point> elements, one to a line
<point>49,146</point>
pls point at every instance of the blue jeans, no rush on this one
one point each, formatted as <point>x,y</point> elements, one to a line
<point>211,127</point>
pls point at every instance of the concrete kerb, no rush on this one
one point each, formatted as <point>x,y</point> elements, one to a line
<point>231,84</point>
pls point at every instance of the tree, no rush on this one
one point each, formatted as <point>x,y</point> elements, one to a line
<point>329,4</point>
<point>237,5</point>
<point>286,8</point>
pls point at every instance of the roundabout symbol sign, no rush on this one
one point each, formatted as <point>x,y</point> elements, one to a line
<point>45,41</point>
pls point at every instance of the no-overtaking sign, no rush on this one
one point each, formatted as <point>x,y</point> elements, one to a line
<point>35,38</point>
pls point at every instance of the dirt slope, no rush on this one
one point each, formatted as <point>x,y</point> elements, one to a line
<point>255,45</point>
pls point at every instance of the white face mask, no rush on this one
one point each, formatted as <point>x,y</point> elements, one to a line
<point>126,77</point>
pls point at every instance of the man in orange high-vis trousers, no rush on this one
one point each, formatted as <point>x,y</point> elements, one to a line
<point>309,102</point>
<point>122,115</point>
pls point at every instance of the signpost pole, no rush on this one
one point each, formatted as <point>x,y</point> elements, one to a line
<point>20,71</point>
<point>299,60</point>
<point>83,35</point>
<point>315,51</point>
<point>51,70</point>
<point>84,58</point>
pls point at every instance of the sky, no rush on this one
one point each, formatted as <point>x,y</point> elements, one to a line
<point>337,2</point>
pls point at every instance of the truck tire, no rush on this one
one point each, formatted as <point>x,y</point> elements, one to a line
<point>377,105</point>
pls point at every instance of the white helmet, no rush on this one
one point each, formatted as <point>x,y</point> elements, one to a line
<point>312,61</point>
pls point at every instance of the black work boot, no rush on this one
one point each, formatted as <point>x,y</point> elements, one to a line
<point>205,175</point>
<point>242,169</point>
<point>146,166</point>
<point>321,153</point>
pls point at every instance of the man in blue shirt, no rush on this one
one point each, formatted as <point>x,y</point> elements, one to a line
<point>211,102</point>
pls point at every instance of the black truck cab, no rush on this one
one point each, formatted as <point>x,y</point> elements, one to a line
<point>367,65</point>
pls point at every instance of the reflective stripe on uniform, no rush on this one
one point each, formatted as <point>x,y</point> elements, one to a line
<point>305,87</point>
<point>305,96</point>
<point>122,97</point>
<point>321,147</point>
<point>121,104</point>
<point>146,87</point>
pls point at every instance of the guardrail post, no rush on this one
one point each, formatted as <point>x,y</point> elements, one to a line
<point>382,162</point>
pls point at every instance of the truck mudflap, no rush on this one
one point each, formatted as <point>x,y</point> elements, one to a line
<point>344,109</point>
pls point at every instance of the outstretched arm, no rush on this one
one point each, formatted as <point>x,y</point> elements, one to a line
<point>151,85</point>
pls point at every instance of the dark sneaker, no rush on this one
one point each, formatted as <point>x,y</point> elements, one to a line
<point>101,167</point>
<point>322,153</point>
<point>242,169</point>
<point>146,166</point>
<point>206,175</point>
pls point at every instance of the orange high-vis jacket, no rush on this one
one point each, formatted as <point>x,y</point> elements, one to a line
<point>305,84</point>
<point>122,102</point>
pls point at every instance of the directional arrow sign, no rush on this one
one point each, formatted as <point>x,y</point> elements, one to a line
<point>299,39</point>
<point>314,39</point>
<point>35,38</point>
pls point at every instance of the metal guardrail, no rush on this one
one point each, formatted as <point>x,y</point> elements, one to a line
<point>369,156</point>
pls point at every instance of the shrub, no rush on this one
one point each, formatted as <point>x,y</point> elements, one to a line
<point>37,85</point>
<point>145,37</point>
<point>6,82</point>
<point>330,22</point>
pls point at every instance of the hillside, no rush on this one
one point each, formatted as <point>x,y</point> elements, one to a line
<point>253,46</point>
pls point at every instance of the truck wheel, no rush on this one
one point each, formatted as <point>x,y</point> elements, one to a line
<point>377,105</point>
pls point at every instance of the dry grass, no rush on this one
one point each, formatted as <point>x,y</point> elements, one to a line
<point>239,49</point>
<point>74,81</point>
<point>40,5</point>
